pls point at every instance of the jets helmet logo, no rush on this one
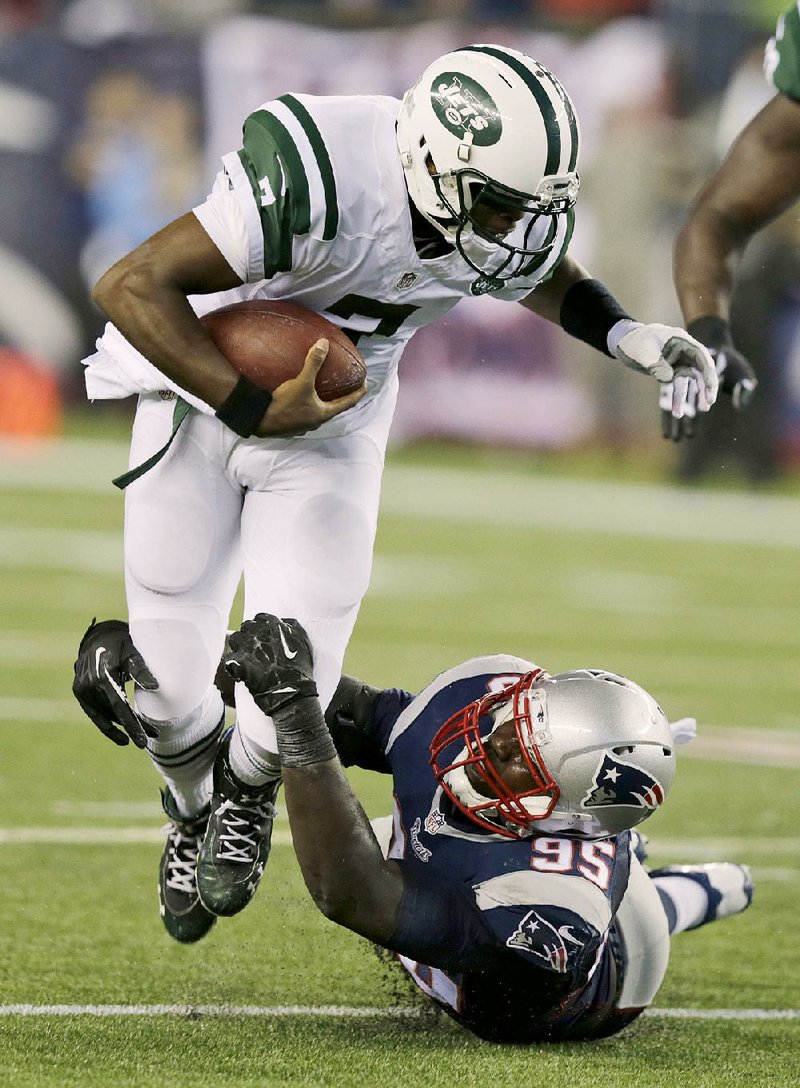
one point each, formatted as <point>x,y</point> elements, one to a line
<point>463,106</point>
<point>619,783</point>
<point>484,285</point>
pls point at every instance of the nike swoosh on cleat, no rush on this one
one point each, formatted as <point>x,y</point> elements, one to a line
<point>289,653</point>
<point>97,655</point>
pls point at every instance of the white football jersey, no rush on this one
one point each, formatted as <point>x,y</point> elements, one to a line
<point>314,209</point>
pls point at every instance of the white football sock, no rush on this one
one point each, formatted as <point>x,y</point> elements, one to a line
<point>185,751</point>
<point>688,898</point>
<point>252,764</point>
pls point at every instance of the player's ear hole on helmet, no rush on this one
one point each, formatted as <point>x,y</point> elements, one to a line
<point>629,749</point>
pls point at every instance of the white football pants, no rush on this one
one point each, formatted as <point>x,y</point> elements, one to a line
<point>296,517</point>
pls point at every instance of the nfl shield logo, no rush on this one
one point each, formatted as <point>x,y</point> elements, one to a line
<point>408,279</point>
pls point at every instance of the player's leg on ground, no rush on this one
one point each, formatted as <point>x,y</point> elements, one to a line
<point>693,895</point>
<point>644,935</point>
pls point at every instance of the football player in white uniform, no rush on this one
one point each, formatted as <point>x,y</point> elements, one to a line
<point>509,882</point>
<point>380,215</point>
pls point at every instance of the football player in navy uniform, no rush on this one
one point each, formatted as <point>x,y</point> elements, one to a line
<point>507,881</point>
<point>380,215</point>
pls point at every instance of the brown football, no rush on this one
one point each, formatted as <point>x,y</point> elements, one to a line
<point>267,341</point>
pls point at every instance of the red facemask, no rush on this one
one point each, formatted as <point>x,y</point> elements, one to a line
<point>458,744</point>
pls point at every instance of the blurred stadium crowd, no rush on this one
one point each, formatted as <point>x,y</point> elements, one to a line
<point>113,115</point>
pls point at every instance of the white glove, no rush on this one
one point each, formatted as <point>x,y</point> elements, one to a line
<point>683,730</point>
<point>678,426</point>
<point>671,356</point>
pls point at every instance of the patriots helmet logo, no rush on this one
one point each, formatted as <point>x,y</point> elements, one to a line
<point>542,939</point>
<point>618,783</point>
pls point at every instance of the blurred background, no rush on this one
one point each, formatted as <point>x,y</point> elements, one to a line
<point>529,505</point>
<point>114,114</point>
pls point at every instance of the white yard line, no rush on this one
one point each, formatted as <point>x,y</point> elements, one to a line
<point>84,550</point>
<point>96,836</point>
<point>196,1012</point>
<point>31,709</point>
<point>620,509</point>
<point>469,494</point>
<point>661,850</point>
<point>757,747</point>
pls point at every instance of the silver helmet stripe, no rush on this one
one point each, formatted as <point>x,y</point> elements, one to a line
<point>556,154</point>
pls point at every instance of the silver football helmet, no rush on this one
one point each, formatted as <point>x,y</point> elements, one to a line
<point>598,750</point>
<point>488,125</point>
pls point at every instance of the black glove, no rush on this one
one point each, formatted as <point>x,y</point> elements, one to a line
<point>273,658</point>
<point>107,660</point>
<point>736,376</point>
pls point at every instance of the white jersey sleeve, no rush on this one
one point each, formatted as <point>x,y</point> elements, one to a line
<point>222,219</point>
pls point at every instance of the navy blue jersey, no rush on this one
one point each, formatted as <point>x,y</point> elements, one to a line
<point>511,936</point>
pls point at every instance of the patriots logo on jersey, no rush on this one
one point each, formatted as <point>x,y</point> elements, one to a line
<point>618,783</point>
<point>536,935</point>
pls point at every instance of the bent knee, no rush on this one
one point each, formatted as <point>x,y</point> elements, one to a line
<point>169,540</point>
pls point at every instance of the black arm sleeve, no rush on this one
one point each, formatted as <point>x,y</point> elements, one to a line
<point>589,311</point>
<point>349,717</point>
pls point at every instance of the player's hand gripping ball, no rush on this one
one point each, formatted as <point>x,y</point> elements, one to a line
<point>267,341</point>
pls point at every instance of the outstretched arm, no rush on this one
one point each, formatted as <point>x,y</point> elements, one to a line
<point>339,856</point>
<point>758,179</point>
<point>107,661</point>
<point>585,309</point>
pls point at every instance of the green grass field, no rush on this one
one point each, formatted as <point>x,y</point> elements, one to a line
<point>694,593</point>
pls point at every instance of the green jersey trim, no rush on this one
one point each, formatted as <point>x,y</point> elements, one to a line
<point>782,56</point>
<point>294,172</point>
<point>323,161</point>
<point>279,187</point>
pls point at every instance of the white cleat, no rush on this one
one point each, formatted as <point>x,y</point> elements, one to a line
<point>729,886</point>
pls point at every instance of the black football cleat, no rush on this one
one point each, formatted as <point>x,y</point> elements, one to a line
<point>183,915</point>
<point>237,842</point>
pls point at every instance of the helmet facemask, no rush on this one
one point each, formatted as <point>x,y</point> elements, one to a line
<point>501,257</point>
<point>597,749</point>
<point>463,736</point>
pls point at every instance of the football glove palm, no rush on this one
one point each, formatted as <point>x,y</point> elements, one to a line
<point>672,357</point>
